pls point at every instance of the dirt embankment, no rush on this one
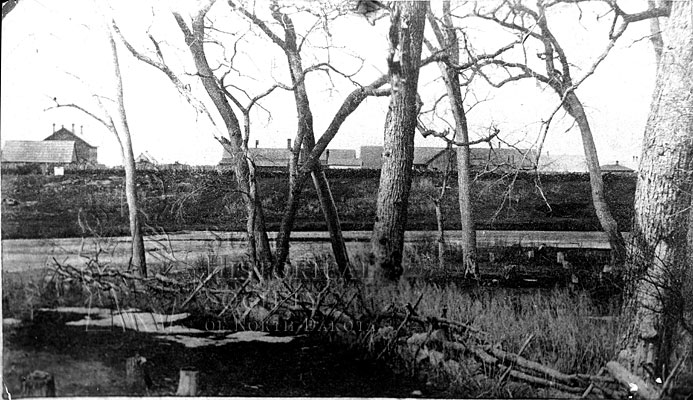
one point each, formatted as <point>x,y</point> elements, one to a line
<point>93,202</point>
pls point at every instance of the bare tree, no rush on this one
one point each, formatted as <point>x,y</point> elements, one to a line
<point>447,38</point>
<point>532,28</point>
<point>137,258</point>
<point>304,143</point>
<point>408,19</point>
<point>235,144</point>
<point>657,341</point>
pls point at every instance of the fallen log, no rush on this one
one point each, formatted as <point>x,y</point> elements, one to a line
<point>507,371</point>
<point>489,359</point>
<point>534,366</point>
<point>632,382</point>
<point>545,382</point>
<point>597,378</point>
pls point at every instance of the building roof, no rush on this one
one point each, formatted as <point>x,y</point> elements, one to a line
<point>504,157</point>
<point>616,168</point>
<point>267,157</point>
<point>25,151</point>
<point>424,155</point>
<point>146,158</point>
<point>562,163</point>
<point>64,134</point>
<point>342,157</point>
<point>371,156</point>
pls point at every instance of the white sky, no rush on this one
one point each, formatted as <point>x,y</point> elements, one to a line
<point>59,49</point>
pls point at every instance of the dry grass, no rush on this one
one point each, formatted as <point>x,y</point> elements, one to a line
<point>566,336</point>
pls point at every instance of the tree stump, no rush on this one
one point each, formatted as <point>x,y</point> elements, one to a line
<point>38,384</point>
<point>187,383</point>
<point>134,372</point>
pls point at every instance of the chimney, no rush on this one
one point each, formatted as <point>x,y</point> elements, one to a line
<point>257,143</point>
<point>53,127</point>
<point>616,162</point>
<point>81,130</point>
<point>288,144</point>
<point>73,128</point>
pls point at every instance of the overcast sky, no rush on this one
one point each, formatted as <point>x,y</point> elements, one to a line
<point>54,48</point>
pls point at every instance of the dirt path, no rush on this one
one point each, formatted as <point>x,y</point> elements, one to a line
<point>91,363</point>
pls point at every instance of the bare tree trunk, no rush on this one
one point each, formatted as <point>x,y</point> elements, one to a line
<point>297,179</point>
<point>655,33</point>
<point>329,208</point>
<point>137,259</point>
<point>574,107</point>
<point>440,222</point>
<point>660,261</point>
<point>235,144</point>
<point>447,37</point>
<point>387,241</point>
<point>305,142</point>
<point>468,237</point>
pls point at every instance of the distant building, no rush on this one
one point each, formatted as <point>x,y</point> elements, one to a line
<point>25,152</point>
<point>371,157</point>
<point>85,153</point>
<point>60,149</point>
<point>264,157</point>
<point>341,159</point>
<point>437,158</point>
<point>616,169</point>
<point>146,159</point>
<point>551,163</point>
<point>562,163</point>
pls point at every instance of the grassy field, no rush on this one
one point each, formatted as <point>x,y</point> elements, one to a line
<point>85,202</point>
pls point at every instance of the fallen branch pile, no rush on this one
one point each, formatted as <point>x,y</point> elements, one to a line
<point>448,344</point>
<point>337,308</point>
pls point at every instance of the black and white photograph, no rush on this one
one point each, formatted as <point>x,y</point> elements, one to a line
<point>347,199</point>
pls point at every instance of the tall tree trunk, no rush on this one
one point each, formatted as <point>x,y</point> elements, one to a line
<point>305,142</point>
<point>234,145</point>
<point>298,179</point>
<point>447,37</point>
<point>574,107</point>
<point>137,258</point>
<point>387,241</point>
<point>468,237</point>
<point>660,256</point>
<point>334,227</point>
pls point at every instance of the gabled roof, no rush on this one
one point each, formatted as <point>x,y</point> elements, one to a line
<point>145,157</point>
<point>63,134</point>
<point>24,151</point>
